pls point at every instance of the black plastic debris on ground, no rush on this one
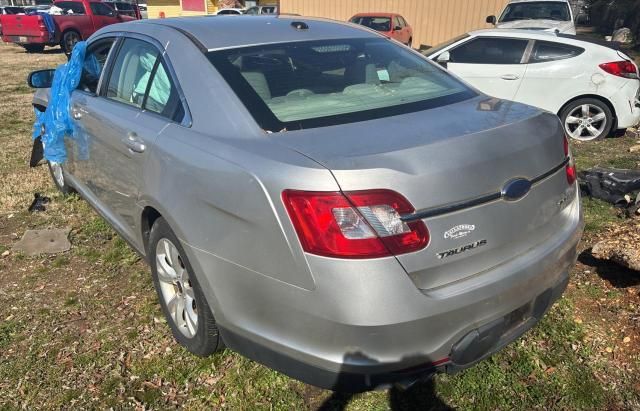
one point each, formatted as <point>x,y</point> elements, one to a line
<point>619,187</point>
<point>38,203</point>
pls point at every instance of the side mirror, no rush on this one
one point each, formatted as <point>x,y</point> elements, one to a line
<point>444,58</point>
<point>40,78</point>
<point>492,20</point>
<point>397,28</point>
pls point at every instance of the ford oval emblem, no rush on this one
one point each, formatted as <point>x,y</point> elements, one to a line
<point>516,189</point>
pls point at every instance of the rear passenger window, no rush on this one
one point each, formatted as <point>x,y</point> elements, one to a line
<point>544,51</point>
<point>71,7</point>
<point>101,9</point>
<point>163,98</point>
<point>485,50</point>
<point>131,72</point>
<point>141,79</point>
<point>94,62</point>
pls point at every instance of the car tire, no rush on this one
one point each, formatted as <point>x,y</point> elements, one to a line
<point>183,303</point>
<point>33,48</point>
<point>69,40</point>
<point>58,176</point>
<point>409,42</point>
<point>587,119</point>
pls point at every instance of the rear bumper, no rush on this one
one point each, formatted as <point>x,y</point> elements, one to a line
<point>367,325</point>
<point>26,39</point>
<point>476,345</point>
<point>627,104</point>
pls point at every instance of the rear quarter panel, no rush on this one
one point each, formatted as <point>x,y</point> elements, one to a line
<point>83,24</point>
<point>564,80</point>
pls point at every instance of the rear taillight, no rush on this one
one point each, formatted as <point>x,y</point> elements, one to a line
<point>357,224</point>
<point>570,168</point>
<point>622,68</point>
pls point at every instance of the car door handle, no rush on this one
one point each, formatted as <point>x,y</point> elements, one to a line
<point>510,77</point>
<point>134,143</point>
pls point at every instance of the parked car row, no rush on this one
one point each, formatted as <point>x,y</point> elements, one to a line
<point>321,199</point>
<point>592,86</point>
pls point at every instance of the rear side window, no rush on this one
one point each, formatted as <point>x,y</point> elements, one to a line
<point>486,50</point>
<point>94,62</point>
<point>100,9</point>
<point>140,78</point>
<point>71,7</point>
<point>124,6</point>
<point>544,51</point>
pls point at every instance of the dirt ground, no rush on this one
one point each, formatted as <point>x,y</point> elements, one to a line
<point>83,329</point>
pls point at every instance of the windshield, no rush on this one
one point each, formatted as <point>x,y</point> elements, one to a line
<point>435,50</point>
<point>538,10</point>
<point>318,83</point>
<point>375,23</point>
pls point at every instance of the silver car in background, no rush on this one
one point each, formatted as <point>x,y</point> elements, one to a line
<point>320,198</point>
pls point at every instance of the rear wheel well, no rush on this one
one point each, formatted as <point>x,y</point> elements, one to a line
<point>149,216</point>
<point>597,97</point>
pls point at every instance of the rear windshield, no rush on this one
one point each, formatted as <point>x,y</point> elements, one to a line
<point>373,22</point>
<point>537,10</point>
<point>13,10</point>
<point>320,83</point>
<point>124,6</point>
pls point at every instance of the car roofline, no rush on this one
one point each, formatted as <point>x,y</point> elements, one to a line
<point>544,36</point>
<point>364,32</point>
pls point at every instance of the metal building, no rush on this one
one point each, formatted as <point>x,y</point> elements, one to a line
<point>433,21</point>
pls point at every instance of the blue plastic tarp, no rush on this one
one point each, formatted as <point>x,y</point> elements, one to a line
<point>50,24</point>
<point>56,119</point>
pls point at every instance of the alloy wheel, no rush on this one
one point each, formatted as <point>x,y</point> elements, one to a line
<point>177,291</point>
<point>585,122</point>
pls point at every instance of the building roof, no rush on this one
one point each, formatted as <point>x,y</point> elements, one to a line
<point>218,32</point>
<point>529,1</point>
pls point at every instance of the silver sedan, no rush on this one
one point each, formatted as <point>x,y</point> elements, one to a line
<point>320,198</point>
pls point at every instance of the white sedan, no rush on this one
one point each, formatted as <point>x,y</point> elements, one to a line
<point>592,87</point>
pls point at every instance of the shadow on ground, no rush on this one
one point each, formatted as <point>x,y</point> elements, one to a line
<point>420,396</point>
<point>404,395</point>
<point>617,275</point>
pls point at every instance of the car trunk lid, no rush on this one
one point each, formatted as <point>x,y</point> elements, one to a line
<point>459,155</point>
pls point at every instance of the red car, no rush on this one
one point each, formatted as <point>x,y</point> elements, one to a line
<point>390,24</point>
<point>79,20</point>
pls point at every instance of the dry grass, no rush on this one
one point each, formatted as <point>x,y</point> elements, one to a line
<point>83,329</point>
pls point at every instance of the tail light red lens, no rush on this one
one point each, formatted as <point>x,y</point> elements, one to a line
<point>357,224</point>
<point>570,168</point>
<point>623,68</point>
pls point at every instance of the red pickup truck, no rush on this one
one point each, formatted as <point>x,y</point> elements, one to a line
<point>77,21</point>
